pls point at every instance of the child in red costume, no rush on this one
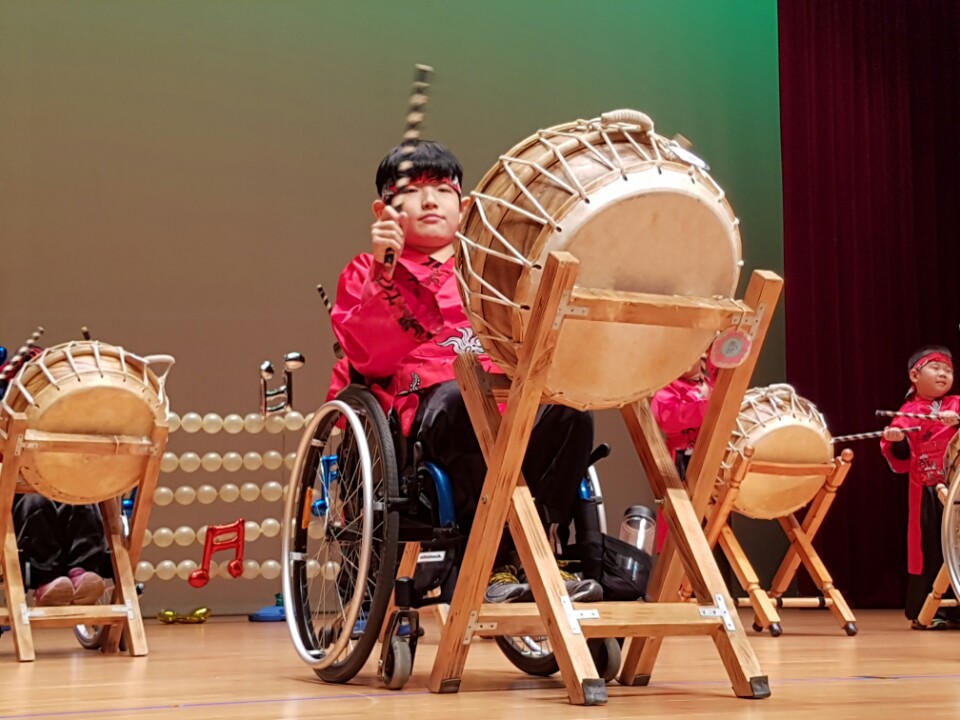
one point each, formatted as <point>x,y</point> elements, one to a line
<point>921,454</point>
<point>679,409</point>
<point>401,325</point>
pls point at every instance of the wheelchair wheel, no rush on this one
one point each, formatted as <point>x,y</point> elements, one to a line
<point>340,535</point>
<point>950,533</point>
<point>534,655</point>
<point>91,637</point>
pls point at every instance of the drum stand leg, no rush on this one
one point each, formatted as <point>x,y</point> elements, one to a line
<point>802,550</point>
<point>130,549</point>
<point>505,498</point>
<point>935,599</point>
<point>18,616</point>
<point>641,652</point>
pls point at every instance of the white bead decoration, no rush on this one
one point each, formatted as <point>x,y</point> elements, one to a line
<point>185,494</point>
<point>173,420</point>
<point>251,569</point>
<point>249,491</point>
<point>202,536</point>
<point>271,491</point>
<point>251,530</point>
<point>293,420</point>
<point>166,569</point>
<point>289,460</point>
<point>229,492</point>
<point>211,462</point>
<point>169,462</point>
<point>184,536</point>
<point>270,527</point>
<point>185,567</point>
<point>212,423</point>
<point>329,571</point>
<point>163,496</point>
<point>147,537</point>
<point>272,460</point>
<point>233,423</point>
<point>232,461</point>
<point>189,462</point>
<point>252,460</point>
<point>270,569</point>
<point>144,571</point>
<point>313,568</point>
<point>191,422</point>
<point>206,494</point>
<point>253,423</point>
<point>163,537</point>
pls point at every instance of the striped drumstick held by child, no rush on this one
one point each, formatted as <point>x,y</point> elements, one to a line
<point>411,133</point>
<point>868,435</point>
<point>915,416</point>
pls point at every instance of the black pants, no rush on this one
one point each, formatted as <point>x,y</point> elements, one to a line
<point>919,586</point>
<point>555,463</point>
<point>55,537</point>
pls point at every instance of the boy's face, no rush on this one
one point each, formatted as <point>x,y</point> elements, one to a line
<point>933,380</point>
<point>434,210</point>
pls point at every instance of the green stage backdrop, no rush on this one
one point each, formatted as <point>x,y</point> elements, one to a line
<point>179,175</point>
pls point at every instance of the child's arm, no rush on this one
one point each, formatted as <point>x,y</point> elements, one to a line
<point>680,406</point>
<point>379,321</point>
<point>897,452</point>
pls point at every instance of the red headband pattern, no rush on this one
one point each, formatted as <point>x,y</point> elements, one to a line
<point>932,357</point>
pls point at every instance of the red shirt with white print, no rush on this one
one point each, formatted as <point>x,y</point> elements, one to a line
<point>404,333</point>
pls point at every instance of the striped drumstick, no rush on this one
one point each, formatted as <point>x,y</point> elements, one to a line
<point>915,416</point>
<point>337,350</point>
<point>10,369</point>
<point>411,133</point>
<point>868,435</point>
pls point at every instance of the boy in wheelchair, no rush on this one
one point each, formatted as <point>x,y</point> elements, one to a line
<point>399,319</point>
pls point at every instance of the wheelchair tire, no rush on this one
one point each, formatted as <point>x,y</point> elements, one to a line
<point>534,656</point>
<point>340,535</point>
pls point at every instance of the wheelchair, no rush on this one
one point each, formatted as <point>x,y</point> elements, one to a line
<point>353,500</point>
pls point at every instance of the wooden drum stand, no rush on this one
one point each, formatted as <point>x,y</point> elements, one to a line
<point>20,445</point>
<point>506,499</point>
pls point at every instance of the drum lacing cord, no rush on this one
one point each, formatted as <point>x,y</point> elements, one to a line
<point>516,256</point>
<point>545,216</point>
<point>497,297</point>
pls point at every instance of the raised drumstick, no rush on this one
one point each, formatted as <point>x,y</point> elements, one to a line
<point>10,369</point>
<point>411,133</point>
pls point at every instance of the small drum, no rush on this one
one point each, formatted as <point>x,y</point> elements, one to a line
<point>639,212</point>
<point>88,388</point>
<point>951,460</point>
<point>781,427</point>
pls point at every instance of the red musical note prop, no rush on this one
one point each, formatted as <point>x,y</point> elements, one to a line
<point>220,537</point>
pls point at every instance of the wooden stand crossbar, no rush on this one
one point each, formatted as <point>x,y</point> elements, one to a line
<point>505,498</point>
<point>19,444</point>
<point>941,584</point>
<point>801,536</point>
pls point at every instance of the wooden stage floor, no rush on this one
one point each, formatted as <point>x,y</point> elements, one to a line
<point>231,668</point>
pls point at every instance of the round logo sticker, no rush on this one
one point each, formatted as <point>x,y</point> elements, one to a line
<point>730,348</point>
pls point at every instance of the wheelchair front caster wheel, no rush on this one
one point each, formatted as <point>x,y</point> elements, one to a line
<point>606,657</point>
<point>398,664</point>
<point>850,629</point>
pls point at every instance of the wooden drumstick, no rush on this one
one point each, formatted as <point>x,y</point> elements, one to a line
<point>10,369</point>
<point>337,350</point>
<point>915,416</point>
<point>411,133</point>
<point>868,435</point>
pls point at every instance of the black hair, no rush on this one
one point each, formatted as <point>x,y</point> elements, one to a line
<point>926,350</point>
<point>428,157</point>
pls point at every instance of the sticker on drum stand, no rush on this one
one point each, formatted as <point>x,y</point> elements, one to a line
<point>730,348</point>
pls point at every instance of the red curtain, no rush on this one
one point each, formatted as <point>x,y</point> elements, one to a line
<point>870,113</point>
